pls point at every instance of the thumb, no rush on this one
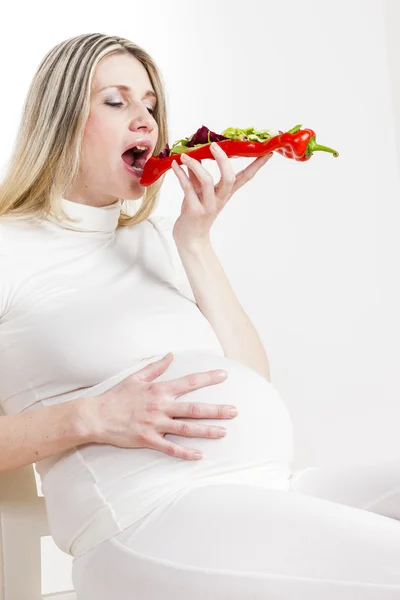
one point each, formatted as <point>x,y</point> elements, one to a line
<point>154,369</point>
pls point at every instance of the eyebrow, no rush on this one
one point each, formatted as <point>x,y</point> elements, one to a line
<point>126,88</point>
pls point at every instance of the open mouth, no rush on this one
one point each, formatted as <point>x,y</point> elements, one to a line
<point>136,157</point>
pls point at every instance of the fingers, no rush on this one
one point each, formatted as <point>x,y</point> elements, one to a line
<point>191,192</point>
<point>205,178</point>
<point>200,410</point>
<point>195,182</point>
<point>185,429</point>
<point>200,182</point>
<point>154,369</point>
<point>228,177</point>
<point>175,450</point>
<point>194,381</point>
<point>248,173</point>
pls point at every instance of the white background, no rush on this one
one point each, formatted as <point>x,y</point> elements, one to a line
<point>312,249</point>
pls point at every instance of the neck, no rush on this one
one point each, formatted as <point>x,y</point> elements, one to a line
<point>88,217</point>
<point>91,200</point>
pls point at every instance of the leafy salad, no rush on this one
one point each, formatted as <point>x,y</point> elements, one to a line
<point>204,136</point>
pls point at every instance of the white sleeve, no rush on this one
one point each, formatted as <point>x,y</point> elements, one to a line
<point>164,224</point>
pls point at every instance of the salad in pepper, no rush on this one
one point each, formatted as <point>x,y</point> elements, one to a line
<point>297,144</point>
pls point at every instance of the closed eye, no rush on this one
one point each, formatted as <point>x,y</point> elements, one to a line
<point>119,104</point>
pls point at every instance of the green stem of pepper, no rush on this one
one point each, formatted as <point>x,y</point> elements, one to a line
<point>312,146</point>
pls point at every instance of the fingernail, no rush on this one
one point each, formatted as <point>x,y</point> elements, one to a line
<point>222,374</point>
<point>197,455</point>
<point>215,147</point>
<point>233,412</point>
<point>221,432</point>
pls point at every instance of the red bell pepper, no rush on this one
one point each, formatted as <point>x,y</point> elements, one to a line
<point>298,144</point>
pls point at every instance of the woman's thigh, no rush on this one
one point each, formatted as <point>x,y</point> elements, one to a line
<point>372,487</point>
<point>231,541</point>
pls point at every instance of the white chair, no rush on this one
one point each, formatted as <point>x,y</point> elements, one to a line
<point>23,521</point>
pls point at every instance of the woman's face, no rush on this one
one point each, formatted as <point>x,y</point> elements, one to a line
<point>121,106</point>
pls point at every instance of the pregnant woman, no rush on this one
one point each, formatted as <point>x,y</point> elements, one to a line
<point>143,486</point>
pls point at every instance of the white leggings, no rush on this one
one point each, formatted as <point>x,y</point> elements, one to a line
<point>334,536</point>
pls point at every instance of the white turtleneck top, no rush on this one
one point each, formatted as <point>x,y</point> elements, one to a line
<point>83,305</point>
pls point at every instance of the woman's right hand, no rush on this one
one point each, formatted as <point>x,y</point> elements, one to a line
<point>136,413</point>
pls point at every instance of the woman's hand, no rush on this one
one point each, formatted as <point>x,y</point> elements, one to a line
<point>136,413</point>
<point>203,201</point>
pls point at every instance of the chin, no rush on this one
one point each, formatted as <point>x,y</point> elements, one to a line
<point>137,193</point>
<point>134,191</point>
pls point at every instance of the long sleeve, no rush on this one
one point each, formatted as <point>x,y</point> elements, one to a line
<point>164,225</point>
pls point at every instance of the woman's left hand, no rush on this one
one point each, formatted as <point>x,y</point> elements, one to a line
<point>203,201</point>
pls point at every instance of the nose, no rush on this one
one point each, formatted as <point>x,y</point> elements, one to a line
<point>142,119</point>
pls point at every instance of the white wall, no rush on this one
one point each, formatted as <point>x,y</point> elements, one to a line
<point>312,249</point>
<point>392,23</point>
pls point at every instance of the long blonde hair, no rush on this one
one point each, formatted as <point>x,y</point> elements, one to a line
<point>46,155</point>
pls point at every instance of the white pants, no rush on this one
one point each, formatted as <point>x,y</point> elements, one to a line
<point>334,536</point>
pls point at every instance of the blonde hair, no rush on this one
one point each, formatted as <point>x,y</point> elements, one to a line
<point>46,155</point>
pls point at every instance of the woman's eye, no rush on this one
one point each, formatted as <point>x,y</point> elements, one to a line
<point>117,104</point>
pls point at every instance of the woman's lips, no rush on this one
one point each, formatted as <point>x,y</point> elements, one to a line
<point>133,171</point>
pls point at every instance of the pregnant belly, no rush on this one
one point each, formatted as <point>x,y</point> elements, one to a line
<point>258,442</point>
<point>98,481</point>
<point>258,437</point>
